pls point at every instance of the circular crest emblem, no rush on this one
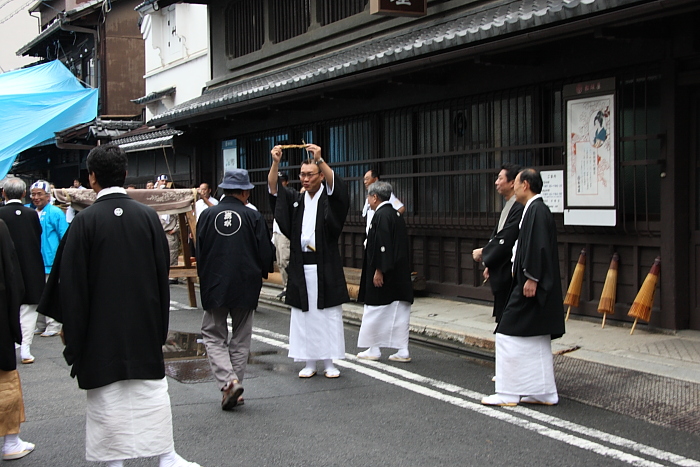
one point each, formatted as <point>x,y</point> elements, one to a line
<point>227,223</point>
<point>118,212</point>
<point>18,212</point>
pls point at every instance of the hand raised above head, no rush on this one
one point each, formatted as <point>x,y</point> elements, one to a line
<point>315,151</point>
<point>276,153</point>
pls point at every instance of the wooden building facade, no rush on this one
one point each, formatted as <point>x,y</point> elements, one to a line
<point>439,102</point>
<point>100,43</point>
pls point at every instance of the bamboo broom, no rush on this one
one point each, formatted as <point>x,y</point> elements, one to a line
<point>641,308</point>
<point>607,297</point>
<point>574,293</point>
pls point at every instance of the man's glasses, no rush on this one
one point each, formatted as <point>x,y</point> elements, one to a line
<point>308,175</point>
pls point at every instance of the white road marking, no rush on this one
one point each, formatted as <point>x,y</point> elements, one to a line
<point>180,306</point>
<point>380,370</point>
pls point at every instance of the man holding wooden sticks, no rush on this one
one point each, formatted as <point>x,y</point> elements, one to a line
<point>316,288</point>
<point>534,314</point>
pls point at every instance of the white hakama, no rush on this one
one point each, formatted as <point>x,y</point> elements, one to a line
<point>128,419</point>
<point>524,365</point>
<point>316,334</point>
<point>385,325</point>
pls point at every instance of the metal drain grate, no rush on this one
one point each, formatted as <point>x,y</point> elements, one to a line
<point>663,401</point>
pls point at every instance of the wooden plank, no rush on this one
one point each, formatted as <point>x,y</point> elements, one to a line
<point>182,271</point>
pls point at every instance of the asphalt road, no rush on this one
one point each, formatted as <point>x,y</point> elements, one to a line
<point>424,413</point>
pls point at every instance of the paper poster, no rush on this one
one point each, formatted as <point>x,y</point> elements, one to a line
<point>553,189</point>
<point>590,179</point>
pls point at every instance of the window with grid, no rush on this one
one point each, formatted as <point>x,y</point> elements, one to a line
<point>289,18</point>
<point>331,11</point>
<point>640,149</point>
<point>245,27</point>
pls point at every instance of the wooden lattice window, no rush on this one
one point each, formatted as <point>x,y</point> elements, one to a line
<point>331,11</point>
<point>289,18</point>
<point>245,27</point>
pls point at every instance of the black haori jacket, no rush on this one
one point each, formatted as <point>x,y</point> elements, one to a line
<point>498,252</point>
<point>109,287</point>
<point>537,254</point>
<point>25,230</point>
<point>11,294</point>
<point>234,254</point>
<point>330,218</point>
<point>387,250</point>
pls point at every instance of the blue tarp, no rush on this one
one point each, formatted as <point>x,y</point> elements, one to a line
<point>37,102</point>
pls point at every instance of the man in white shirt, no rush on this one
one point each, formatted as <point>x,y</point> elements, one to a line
<point>205,199</point>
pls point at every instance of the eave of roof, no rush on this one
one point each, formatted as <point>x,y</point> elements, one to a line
<point>146,134</point>
<point>154,96</point>
<point>65,17</point>
<point>506,18</point>
<point>145,145</point>
<point>50,30</point>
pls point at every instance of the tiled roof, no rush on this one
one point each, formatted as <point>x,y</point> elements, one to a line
<point>134,137</point>
<point>153,143</point>
<point>154,96</point>
<point>510,17</point>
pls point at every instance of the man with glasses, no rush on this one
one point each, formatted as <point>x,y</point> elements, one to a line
<point>53,226</point>
<point>316,289</point>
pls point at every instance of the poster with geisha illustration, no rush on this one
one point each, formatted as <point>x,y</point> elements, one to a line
<point>590,179</point>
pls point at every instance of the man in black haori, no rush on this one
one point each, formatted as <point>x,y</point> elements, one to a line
<point>109,287</point>
<point>497,253</point>
<point>385,287</point>
<point>234,254</point>
<point>25,229</point>
<point>316,288</point>
<point>534,314</point>
<point>11,402</point>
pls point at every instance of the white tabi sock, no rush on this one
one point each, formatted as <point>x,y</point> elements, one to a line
<point>173,459</point>
<point>328,365</point>
<point>311,364</point>
<point>12,444</point>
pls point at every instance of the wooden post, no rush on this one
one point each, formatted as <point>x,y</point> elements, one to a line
<point>183,219</point>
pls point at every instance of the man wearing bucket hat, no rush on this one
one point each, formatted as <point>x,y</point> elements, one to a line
<point>234,254</point>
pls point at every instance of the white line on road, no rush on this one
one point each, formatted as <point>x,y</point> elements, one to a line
<point>180,306</point>
<point>498,414</point>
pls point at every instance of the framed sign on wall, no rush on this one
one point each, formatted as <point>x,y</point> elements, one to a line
<point>590,151</point>
<point>590,156</point>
